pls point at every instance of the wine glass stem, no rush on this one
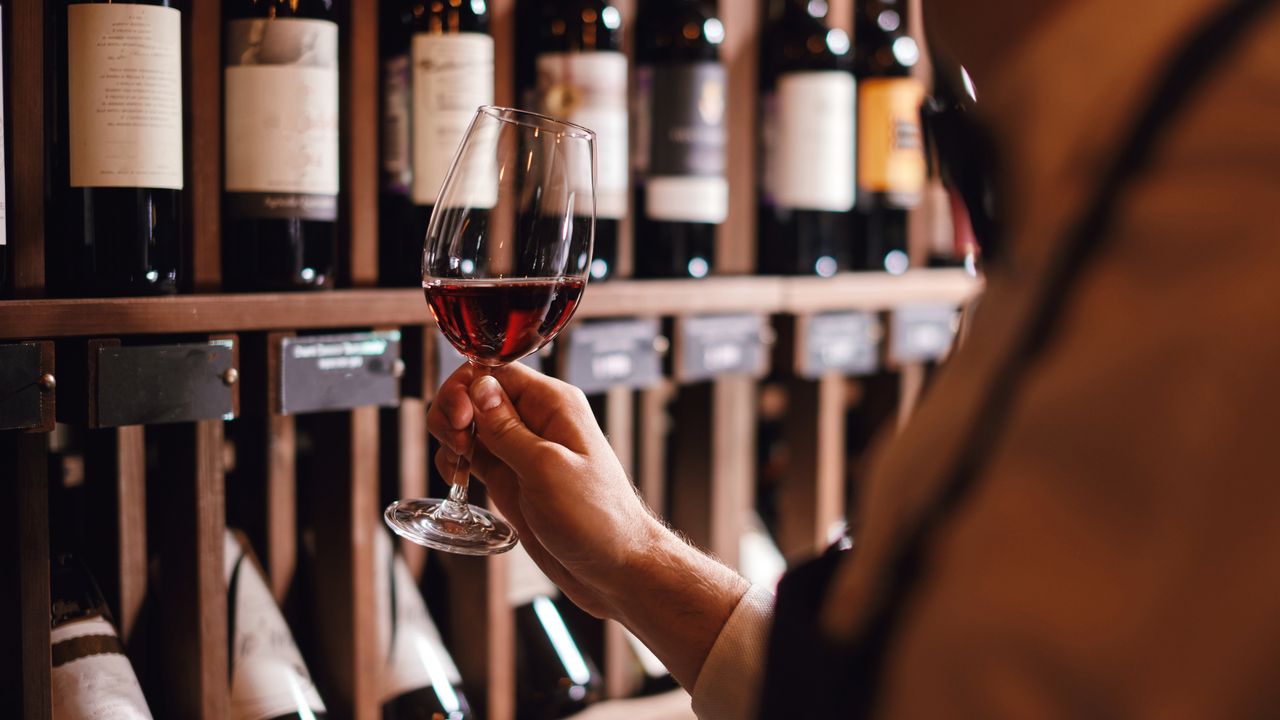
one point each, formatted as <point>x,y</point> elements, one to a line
<point>458,484</point>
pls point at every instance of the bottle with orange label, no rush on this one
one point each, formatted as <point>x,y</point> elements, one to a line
<point>891,163</point>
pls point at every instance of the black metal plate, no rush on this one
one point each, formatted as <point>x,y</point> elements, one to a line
<point>921,333</point>
<point>20,396</point>
<point>614,353</point>
<point>149,385</point>
<point>717,345</point>
<point>448,359</point>
<point>844,342</point>
<point>339,372</point>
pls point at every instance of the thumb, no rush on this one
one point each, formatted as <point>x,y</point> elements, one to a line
<point>501,428</point>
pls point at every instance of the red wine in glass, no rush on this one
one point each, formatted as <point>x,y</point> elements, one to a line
<point>495,322</point>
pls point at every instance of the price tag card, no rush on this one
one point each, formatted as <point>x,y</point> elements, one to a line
<point>339,372</point>
<point>920,333</point>
<point>613,353</point>
<point>26,395</point>
<point>448,359</point>
<point>716,345</point>
<point>149,385</point>
<point>844,342</point>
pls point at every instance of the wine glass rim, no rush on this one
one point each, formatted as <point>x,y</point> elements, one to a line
<point>538,121</point>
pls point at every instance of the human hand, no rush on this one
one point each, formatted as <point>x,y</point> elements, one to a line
<point>552,474</point>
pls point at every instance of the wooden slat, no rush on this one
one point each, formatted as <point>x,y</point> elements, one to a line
<point>482,624</point>
<point>877,291</point>
<point>811,497</point>
<point>203,192</point>
<point>912,378</point>
<point>346,518</point>
<point>360,74</point>
<point>653,425</point>
<point>735,240</point>
<point>26,186</point>
<point>365,308</point>
<point>619,425</point>
<point>24,558</point>
<point>191,673</point>
<point>115,478</point>
<point>411,475</point>
<point>711,490</point>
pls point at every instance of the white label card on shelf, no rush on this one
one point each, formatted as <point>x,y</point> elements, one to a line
<point>717,345</point>
<point>920,333</point>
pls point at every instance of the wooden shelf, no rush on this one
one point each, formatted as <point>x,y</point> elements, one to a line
<point>200,314</point>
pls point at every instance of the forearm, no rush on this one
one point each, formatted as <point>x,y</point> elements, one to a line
<point>676,599</point>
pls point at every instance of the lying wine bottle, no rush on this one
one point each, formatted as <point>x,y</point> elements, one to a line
<point>92,678</point>
<point>269,680</point>
<point>554,676</point>
<point>420,679</point>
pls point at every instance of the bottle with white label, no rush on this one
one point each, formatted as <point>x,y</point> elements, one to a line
<point>806,182</point>
<point>891,163</point>
<point>678,155</point>
<point>451,73</point>
<point>420,679</point>
<point>269,680</point>
<point>117,148</point>
<point>582,78</point>
<point>92,677</point>
<point>554,676</point>
<point>280,110</point>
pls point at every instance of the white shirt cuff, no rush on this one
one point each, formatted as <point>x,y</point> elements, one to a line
<point>728,687</point>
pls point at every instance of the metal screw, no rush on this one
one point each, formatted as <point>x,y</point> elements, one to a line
<point>230,376</point>
<point>661,345</point>
<point>768,335</point>
<point>397,368</point>
<point>47,382</point>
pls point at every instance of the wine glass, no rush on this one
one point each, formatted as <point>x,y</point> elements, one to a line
<point>504,266</point>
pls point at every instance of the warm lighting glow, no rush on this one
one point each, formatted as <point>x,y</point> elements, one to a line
<point>838,41</point>
<point>714,31</point>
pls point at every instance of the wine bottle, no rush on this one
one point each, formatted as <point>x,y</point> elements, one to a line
<point>420,679</point>
<point>582,78</point>
<point>554,676</point>
<point>395,208</point>
<point>280,101</point>
<point>679,153</point>
<point>807,115</point>
<point>452,70</point>
<point>269,680</point>
<point>117,147</point>
<point>92,677</point>
<point>891,163</point>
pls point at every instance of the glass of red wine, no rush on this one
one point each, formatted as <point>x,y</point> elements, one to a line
<point>504,266</point>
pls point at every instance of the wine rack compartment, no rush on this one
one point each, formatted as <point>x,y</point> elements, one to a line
<point>297,416</point>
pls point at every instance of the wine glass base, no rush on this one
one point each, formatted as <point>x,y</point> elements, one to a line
<point>480,534</point>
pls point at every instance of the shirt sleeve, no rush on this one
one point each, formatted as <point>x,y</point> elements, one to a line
<point>728,685</point>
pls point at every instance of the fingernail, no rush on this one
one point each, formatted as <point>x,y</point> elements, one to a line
<point>486,393</point>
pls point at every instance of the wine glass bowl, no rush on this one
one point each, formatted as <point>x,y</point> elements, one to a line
<point>504,266</point>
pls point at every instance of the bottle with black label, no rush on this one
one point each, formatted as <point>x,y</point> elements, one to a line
<point>92,677</point>
<point>806,183</point>
<point>117,148</point>
<point>269,680</point>
<point>280,101</point>
<point>891,163</point>
<point>679,151</point>
<point>582,78</point>
<point>420,679</point>
<point>554,676</point>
